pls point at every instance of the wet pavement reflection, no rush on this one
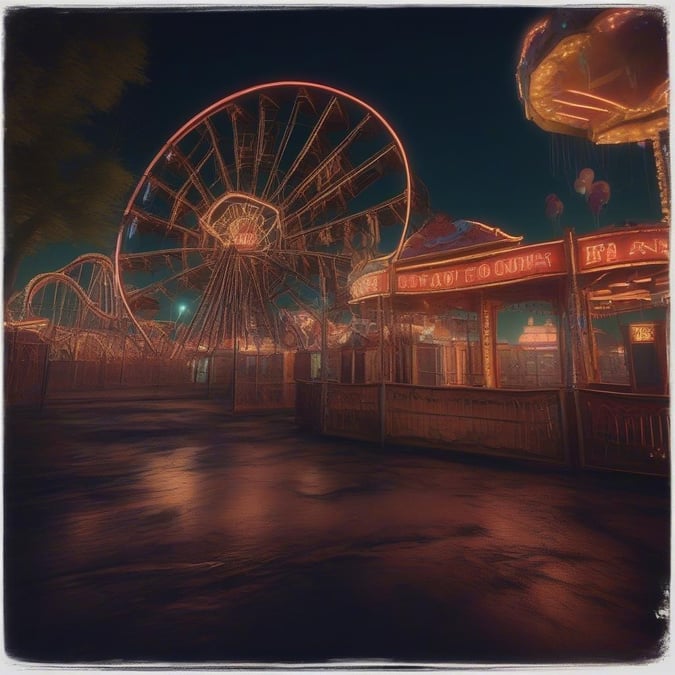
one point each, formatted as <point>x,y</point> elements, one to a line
<point>165,530</point>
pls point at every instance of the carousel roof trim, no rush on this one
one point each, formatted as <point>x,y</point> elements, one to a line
<point>603,76</point>
<point>444,238</point>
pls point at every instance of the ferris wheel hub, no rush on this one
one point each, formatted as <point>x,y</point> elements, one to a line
<point>242,221</point>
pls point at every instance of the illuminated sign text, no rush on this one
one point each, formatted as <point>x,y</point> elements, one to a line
<point>620,248</point>
<point>370,284</point>
<point>526,262</point>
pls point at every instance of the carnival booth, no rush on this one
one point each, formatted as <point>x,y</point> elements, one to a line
<point>473,341</point>
<point>553,352</point>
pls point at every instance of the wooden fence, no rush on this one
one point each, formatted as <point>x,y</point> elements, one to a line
<point>352,411</point>
<point>25,371</point>
<point>261,382</point>
<point>624,432</point>
<point>527,424</point>
<point>605,430</point>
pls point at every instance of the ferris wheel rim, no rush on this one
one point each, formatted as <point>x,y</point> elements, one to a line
<point>197,119</point>
<point>216,107</point>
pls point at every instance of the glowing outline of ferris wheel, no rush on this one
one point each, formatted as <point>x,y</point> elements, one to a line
<point>261,225</point>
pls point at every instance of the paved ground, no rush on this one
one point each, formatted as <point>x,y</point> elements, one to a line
<point>163,530</point>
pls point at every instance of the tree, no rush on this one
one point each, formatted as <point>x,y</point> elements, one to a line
<point>64,72</point>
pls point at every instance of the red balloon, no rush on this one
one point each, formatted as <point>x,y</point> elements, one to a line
<point>554,207</point>
<point>587,175</point>
<point>596,201</point>
<point>602,187</point>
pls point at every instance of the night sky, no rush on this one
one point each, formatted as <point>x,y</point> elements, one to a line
<point>443,76</point>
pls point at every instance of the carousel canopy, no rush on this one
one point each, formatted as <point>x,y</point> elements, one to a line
<point>598,74</point>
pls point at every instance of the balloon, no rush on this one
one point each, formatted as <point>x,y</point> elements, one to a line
<point>580,186</point>
<point>587,175</point>
<point>554,207</point>
<point>602,187</point>
<point>595,203</point>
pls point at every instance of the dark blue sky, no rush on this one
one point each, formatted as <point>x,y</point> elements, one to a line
<point>444,77</point>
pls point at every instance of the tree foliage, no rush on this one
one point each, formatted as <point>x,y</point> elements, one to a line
<point>63,72</point>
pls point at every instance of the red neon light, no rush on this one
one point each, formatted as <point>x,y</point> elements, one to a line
<point>621,248</point>
<point>515,265</point>
<point>375,283</point>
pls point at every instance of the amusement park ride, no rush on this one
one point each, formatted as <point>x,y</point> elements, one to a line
<point>277,246</point>
<point>252,216</point>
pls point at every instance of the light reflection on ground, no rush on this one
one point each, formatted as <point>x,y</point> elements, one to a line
<point>167,531</point>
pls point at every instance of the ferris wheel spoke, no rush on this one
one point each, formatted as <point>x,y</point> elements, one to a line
<point>261,296</point>
<point>263,138</point>
<point>222,168</point>
<point>178,196</point>
<point>383,207</point>
<point>300,302</point>
<point>183,275</point>
<point>289,269</point>
<point>281,150</point>
<point>235,113</point>
<point>212,315</point>
<point>207,195</point>
<point>147,260</point>
<point>349,179</point>
<point>328,164</point>
<point>153,223</point>
<point>311,139</point>
<point>192,174</point>
<point>337,257</point>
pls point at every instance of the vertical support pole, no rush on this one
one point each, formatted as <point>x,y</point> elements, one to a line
<point>579,348</point>
<point>662,174</point>
<point>323,373</point>
<point>235,351</point>
<point>392,341</point>
<point>487,333</point>
<point>124,351</point>
<point>209,366</point>
<point>324,327</point>
<point>577,355</point>
<point>45,377</point>
<point>382,392</point>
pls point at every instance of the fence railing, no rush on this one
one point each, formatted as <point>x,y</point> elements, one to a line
<point>615,431</point>
<point>30,378</point>
<point>352,411</point>
<point>624,432</point>
<point>527,424</point>
<point>25,372</point>
<point>264,395</point>
<point>308,406</point>
<point>78,375</point>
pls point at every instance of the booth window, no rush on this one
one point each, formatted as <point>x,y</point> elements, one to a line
<point>528,346</point>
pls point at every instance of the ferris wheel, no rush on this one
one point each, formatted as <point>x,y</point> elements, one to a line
<point>260,206</point>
